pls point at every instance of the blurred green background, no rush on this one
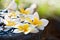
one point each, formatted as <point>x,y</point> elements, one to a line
<point>46,8</point>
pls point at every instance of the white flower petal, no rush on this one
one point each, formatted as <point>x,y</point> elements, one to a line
<point>34,30</point>
<point>33,6</point>
<point>17,31</point>
<point>30,16</point>
<point>6,17</point>
<point>41,28</point>
<point>16,20</point>
<point>18,24</point>
<point>4,14</point>
<point>8,27</point>
<point>36,15</point>
<point>17,12</point>
<point>45,22</point>
<point>1,20</point>
<point>5,22</point>
<point>25,21</point>
<point>12,5</point>
<point>31,10</point>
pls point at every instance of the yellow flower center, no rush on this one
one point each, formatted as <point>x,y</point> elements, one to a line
<point>24,28</point>
<point>24,11</point>
<point>10,23</point>
<point>36,21</point>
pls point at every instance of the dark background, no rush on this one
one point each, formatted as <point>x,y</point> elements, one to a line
<point>52,31</point>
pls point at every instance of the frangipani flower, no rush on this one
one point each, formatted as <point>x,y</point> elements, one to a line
<point>35,21</point>
<point>29,10</point>
<point>39,23</point>
<point>24,11</point>
<point>9,23</point>
<point>25,28</point>
<point>25,20</point>
<point>32,8</point>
